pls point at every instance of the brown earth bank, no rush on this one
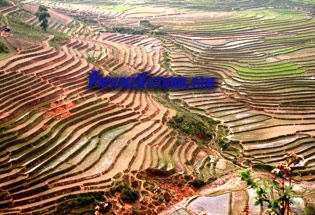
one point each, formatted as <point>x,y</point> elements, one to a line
<point>157,191</point>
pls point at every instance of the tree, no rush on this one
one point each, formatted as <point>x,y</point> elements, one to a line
<point>42,16</point>
<point>278,202</point>
<point>129,195</point>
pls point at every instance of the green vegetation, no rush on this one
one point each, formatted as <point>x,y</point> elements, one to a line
<point>278,194</point>
<point>271,71</point>
<point>146,27</point>
<point>117,66</point>
<point>5,52</point>
<point>42,16</point>
<point>21,14</point>
<point>129,195</point>
<point>166,61</point>
<point>134,211</point>
<point>309,209</point>
<point>200,128</point>
<point>124,30</point>
<point>3,48</point>
<point>24,31</point>
<point>91,59</point>
<point>84,203</point>
<point>4,3</point>
<point>58,40</point>
<point>197,183</point>
<point>262,167</point>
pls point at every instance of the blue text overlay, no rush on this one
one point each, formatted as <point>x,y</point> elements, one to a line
<point>142,81</point>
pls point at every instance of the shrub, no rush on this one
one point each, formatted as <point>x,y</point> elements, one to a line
<point>197,183</point>
<point>129,195</point>
<point>3,48</point>
<point>281,184</point>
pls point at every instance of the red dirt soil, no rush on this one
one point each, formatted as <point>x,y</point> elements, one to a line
<point>160,193</point>
<point>60,109</point>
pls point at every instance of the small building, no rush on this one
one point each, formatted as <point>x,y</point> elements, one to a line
<point>6,31</point>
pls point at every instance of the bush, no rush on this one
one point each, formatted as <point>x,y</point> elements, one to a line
<point>129,195</point>
<point>3,48</point>
<point>197,183</point>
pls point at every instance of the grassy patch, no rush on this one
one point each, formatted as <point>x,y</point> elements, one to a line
<point>5,52</point>
<point>58,40</point>
<point>21,14</point>
<point>199,128</point>
<point>25,31</point>
<point>166,61</point>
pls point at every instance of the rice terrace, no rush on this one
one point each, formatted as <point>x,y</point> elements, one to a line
<point>68,146</point>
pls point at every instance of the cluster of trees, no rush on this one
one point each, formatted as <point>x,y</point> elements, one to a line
<point>43,15</point>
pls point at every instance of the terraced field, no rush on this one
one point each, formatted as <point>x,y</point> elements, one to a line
<point>265,95</point>
<point>58,137</point>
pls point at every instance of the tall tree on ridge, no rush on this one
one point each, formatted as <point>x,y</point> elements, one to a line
<point>42,15</point>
